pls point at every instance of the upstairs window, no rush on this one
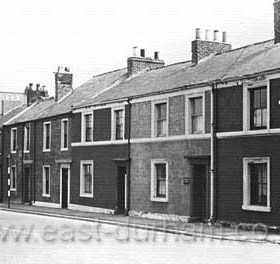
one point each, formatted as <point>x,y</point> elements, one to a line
<point>86,179</point>
<point>13,140</point>
<point>196,115</point>
<point>47,136</point>
<point>64,134</point>
<point>88,127</point>
<point>27,138</point>
<point>118,119</point>
<point>160,120</point>
<point>258,108</point>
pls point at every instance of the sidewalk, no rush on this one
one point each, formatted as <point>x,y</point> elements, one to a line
<point>193,230</point>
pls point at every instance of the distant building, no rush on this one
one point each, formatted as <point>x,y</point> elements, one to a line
<point>11,100</point>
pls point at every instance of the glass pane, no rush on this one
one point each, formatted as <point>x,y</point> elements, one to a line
<point>263,103</point>
<point>257,98</point>
<point>264,117</point>
<point>160,180</point>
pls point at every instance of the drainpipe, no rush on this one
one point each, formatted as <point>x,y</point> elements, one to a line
<point>2,160</point>
<point>22,170</point>
<point>212,163</point>
<point>127,182</point>
<point>34,160</point>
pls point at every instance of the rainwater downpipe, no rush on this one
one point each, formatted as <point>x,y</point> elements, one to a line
<point>127,182</point>
<point>213,154</point>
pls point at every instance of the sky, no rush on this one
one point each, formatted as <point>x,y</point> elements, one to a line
<point>96,36</point>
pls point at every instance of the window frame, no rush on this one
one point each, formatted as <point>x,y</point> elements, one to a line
<point>114,124</point>
<point>82,193</point>
<point>83,131</point>
<point>188,113</point>
<point>246,184</point>
<point>247,87</point>
<point>44,136</point>
<point>62,131</point>
<point>154,120</point>
<point>12,140</point>
<point>15,178</point>
<point>44,194</point>
<point>25,138</point>
<point>154,197</point>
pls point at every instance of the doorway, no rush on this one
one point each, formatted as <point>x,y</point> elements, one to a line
<point>121,189</point>
<point>26,196</point>
<point>199,191</point>
<point>64,191</point>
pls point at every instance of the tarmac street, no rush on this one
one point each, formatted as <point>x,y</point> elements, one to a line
<point>29,238</point>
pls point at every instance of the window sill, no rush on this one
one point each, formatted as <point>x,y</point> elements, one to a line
<point>26,151</point>
<point>13,190</point>
<point>46,150</point>
<point>46,195</point>
<point>256,208</point>
<point>64,149</point>
<point>86,195</point>
<point>13,152</point>
<point>157,199</point>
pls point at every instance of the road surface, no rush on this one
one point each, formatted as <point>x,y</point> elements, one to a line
<point>27,238</point>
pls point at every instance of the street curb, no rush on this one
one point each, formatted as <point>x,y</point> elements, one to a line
<point>139,226</point>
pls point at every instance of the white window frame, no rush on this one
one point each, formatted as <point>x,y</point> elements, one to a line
<point>11,178</point>
<point>83,135</point>
<point>154,198</point>
<point>12,140</point>
<point>82,194</point>
<point>188,119</point>
<point>113,122</point>
<point>25,138</point>
<point>44,181</point>
<point>44,136</point>
<point>62,148</point>
<point>246,103</point>
<point>246,184</point>
<point>153,121</point>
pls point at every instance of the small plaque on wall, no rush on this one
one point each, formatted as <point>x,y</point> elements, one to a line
<point>186,180</point>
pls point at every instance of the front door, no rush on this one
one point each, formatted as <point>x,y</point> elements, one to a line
<point>199,191</point>
<point>26,185</point>
<point>64,187</point>
<point>121,175</point>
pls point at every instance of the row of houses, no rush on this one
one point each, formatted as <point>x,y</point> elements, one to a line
<point>192,140</point>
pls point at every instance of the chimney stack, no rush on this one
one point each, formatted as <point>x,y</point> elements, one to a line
<point>203,48</point>
<point>276,21</point>
<point>63,82</point>
<point>137,64</point>
<point>34,95</point>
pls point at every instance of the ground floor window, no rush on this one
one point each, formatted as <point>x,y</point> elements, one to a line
<point>256,184</point>
<point>46,181</point>
<point>159,180</point>
<point>13,178</point>
<point>86,178</point>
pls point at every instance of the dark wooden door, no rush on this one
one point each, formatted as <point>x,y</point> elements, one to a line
<point>121,171</point>
<point>26,184</point>
<point>199,191</point>
<point>64,195</point>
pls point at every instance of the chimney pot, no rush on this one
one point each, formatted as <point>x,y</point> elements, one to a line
<point>207,34</point>
<point>142,53</point>
<point>197,33</point>
<point>216,35</point>
<point>224,37</point>
<point>30,85</point>
<point>156,55</point>
<point>37,87</point>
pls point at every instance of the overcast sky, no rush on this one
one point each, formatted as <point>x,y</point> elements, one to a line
<point>95,36</point>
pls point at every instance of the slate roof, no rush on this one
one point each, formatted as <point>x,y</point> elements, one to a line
<point>5,118</point>
<point>234,64</point>
<point>87,91</point>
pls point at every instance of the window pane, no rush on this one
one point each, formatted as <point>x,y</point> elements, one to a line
<point>160,180</point>
<point>119,124</point>
<point>161,121</point>
<point>196,115</point>
<point>88,127</point>
<point>87,178</point>
<point>258,108</point>
<point>47,180</point>
<point>258,187</point>
<point>65,134</point>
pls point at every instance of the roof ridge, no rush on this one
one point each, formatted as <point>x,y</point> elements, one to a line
<point>101,74</point>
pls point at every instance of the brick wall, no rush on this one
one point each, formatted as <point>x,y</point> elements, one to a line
<point>203,48</point>
<point>177,115</point>
<point>179,167</point>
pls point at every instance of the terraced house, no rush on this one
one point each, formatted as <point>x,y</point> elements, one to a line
<point>191,140</point>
